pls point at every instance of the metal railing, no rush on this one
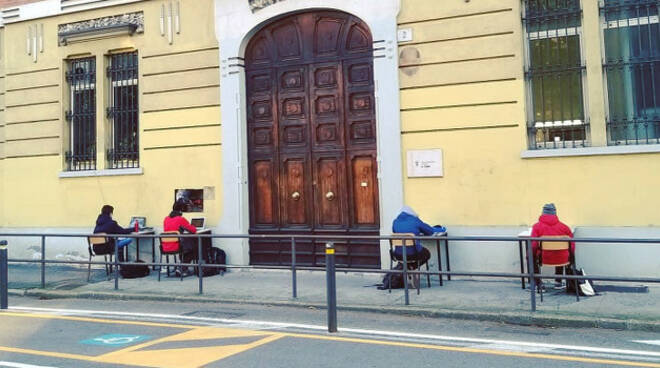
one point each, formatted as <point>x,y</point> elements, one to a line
<point>329,267</point>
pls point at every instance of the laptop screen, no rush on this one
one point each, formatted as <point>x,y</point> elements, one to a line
<point>197,222</point>
<point>142,221</point>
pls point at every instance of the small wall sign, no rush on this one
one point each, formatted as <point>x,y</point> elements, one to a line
<point>425,163</point>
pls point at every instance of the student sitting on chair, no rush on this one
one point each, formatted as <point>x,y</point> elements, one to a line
<point>549,225</point>
<point>105,224</point>
<point>408,222</point>
<point>176,222</point>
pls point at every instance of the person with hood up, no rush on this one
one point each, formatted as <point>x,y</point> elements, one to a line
<point>105,224</point>
<point>549,224</point>
<point>409,222</point>
<point>176,222</point>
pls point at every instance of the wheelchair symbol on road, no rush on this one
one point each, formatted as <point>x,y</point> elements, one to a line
<point>115,340</point>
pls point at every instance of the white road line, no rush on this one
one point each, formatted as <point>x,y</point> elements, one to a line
<point>21,365</point>
<point>650,342</point>
<point>521,345</point>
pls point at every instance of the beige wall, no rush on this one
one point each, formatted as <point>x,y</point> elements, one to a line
<point>462,90</point>
<point>180,143</point>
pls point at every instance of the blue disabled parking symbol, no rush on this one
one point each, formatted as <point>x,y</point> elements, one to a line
<point>115,340</point>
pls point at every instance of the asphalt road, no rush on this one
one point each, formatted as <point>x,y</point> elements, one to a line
<point>88,333</point>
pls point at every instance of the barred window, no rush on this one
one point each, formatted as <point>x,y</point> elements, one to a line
<point>81,115</point>
<point>632,69</point>
<point>123,111</point>
<point>555,74</point>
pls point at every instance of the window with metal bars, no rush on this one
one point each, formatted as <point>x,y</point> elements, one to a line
<point>554,74</point>
<point>123,111</point>
<point>81,115</point>
<point>632,69</point>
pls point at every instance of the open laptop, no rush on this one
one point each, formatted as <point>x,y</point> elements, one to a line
<point>198,222</point>
<point>141,221</point>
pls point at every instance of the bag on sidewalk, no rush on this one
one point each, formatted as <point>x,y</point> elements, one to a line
<point>214,256</point>
<point>585,285</point>
<point>392,280</point>
<point>134,271</point>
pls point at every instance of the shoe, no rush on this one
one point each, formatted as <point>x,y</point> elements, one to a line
<point>559,285</point>
<point>542,287</point>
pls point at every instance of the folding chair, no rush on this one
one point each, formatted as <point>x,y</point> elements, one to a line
<point>170,245</point>
<point>556,245</point>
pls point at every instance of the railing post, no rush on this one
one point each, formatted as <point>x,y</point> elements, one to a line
<point>530,271</point>
<point>294,284</point>
<point>4,275</point>
<point>404,250</point>
<point>43,261</point>
<point>199,264</point>
<point>116,263</point>
<point>331,286</point>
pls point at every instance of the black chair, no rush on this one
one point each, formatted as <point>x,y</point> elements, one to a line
<point>411,264</point>
<point>100,246</point>
<point>173,242</point>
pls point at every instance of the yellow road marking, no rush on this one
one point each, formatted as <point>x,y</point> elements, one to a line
<point>225,351</point>
<point>95,320</point>
<point>475,350</point>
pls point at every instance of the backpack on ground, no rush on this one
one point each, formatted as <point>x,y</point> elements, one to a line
<point>214,256</point>
<point>392,280</point>
<point>134,271</point>
<point>585,285</point>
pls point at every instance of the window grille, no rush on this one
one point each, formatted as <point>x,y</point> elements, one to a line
<point>632,69</point>
<point>81,116</point>
<point>554,74</point>
<point>123,111</point>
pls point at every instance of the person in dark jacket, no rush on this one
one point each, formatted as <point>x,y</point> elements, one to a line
<point>549,224</point>
<point>176,222</point>
<point>105,224</point>
<point>408,222</point>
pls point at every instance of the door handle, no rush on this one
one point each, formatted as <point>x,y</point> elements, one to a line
<point>330,196</point>
<point>295,196</point>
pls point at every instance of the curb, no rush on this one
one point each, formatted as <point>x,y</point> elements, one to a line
<point>521,318</point>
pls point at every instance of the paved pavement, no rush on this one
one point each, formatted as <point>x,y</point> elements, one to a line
<point>619,306</point>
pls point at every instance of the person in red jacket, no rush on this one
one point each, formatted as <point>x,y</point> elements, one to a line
<point>176,222</point>
<point>549,224</point>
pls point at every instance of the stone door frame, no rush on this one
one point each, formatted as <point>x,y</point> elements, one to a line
<point>235,24</point>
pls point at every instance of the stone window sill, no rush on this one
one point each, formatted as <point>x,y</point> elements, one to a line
<point>93,173</point>
<point>591,151</point>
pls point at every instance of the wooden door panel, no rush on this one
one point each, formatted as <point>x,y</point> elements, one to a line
<point>293,108</point>
<point>364,190</point>
<point>327,106</point>
<point>360,104</point>
<point>329,191</point>
<point>264,204</point>
<point>295,192</point>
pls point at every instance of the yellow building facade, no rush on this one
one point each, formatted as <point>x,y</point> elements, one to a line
<point>451,77</point>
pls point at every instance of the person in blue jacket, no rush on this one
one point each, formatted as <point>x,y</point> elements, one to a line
<point>408,222</point>
<point>105,224</point>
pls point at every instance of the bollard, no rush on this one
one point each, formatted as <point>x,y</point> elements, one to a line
<point>530,270</point>
<point>4,275</point>
<point>331,286</point>
<point>294,285</point>
<point>43,262</point>
<point>199,265</point>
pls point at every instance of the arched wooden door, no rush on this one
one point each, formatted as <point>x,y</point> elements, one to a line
<point>312,138</point>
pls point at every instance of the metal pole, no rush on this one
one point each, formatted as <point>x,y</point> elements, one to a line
<point>405,270</point>
<point>43,264</point>
<point>530,271</point>
<point>294,284</point>
<point>116,263</point>
<point>199,265</point>
<point>4,275</point>
<point>331,286</point>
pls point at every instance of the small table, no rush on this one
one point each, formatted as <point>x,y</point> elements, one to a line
<point>522,237</point>
<point>437,243</point>
<point>137,245</point>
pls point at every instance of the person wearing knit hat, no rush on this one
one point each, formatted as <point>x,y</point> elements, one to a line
<point>409,222</point>
<point>549,225</point>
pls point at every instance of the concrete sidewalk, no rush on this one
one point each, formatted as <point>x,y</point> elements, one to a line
<point>620,306</point>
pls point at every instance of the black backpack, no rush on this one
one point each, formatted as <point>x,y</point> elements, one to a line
<point>392,280</point>
<point>214,256</point>
<point>134,271</point>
